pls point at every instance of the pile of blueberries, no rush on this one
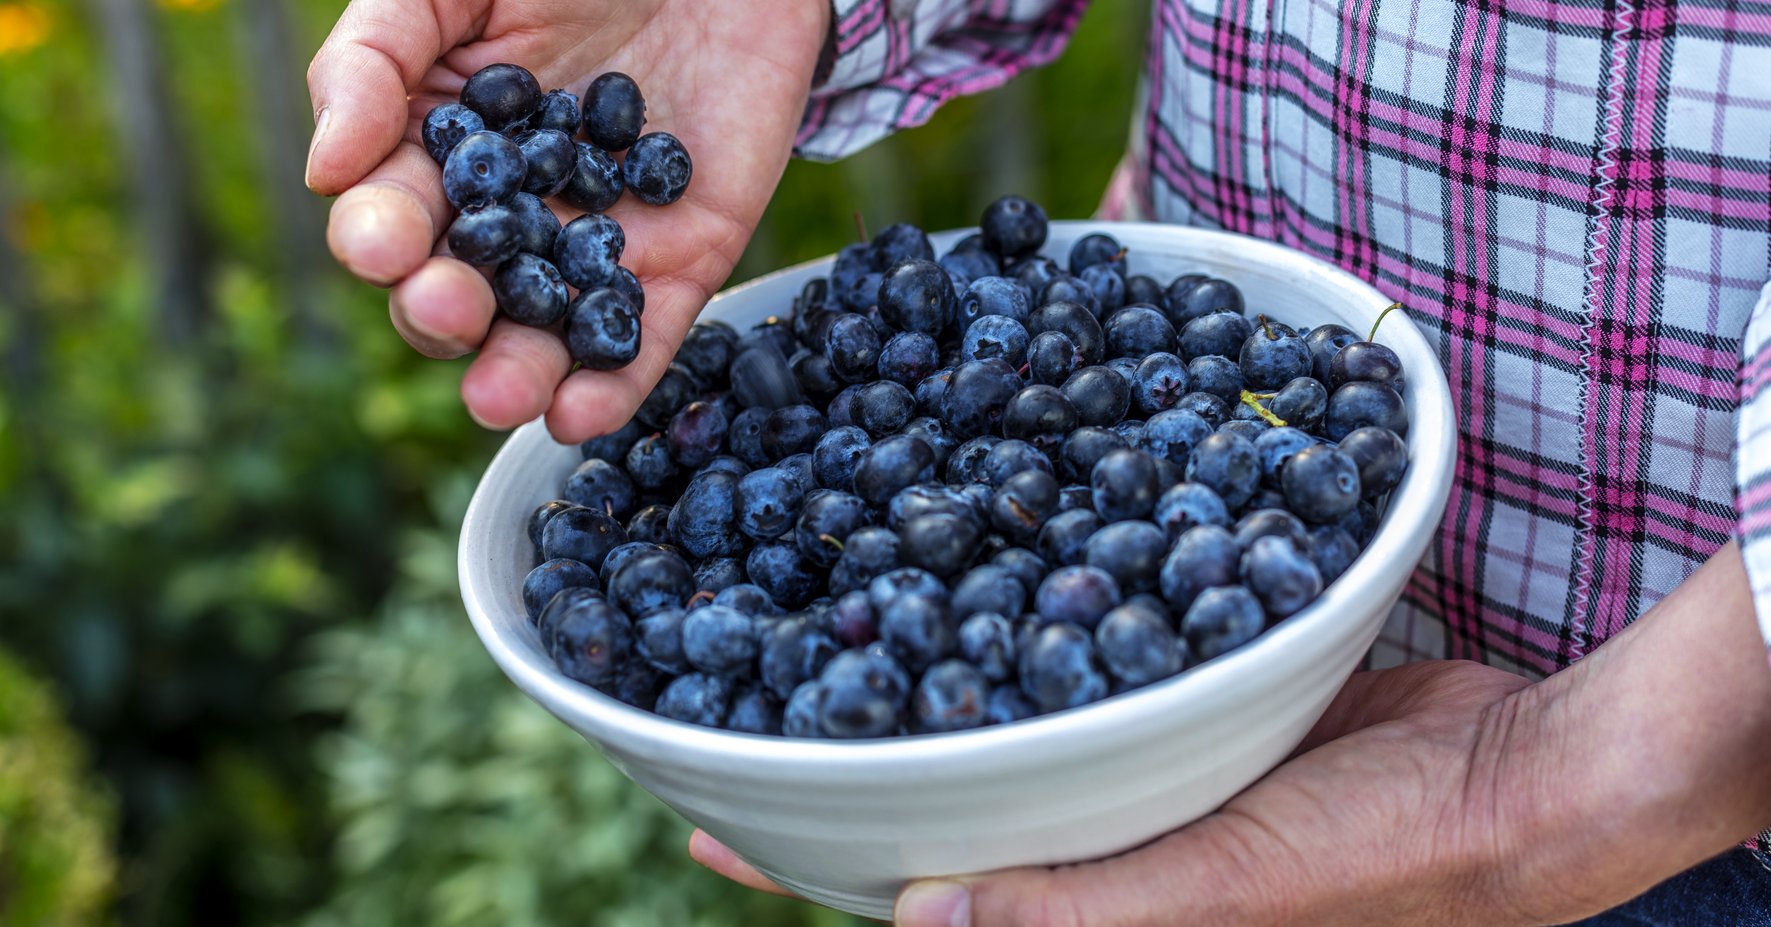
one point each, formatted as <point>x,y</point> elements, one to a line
<point>940,494</point>
<point>504,148</point>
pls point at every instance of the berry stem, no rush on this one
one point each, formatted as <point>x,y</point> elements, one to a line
<point>1252,400</point>
<point>1380,319</point>
<point>832,541</point>
<point>1268,329</point>
<point>860,227</point>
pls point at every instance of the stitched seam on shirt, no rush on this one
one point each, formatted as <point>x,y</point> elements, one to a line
<point>1598,237</point>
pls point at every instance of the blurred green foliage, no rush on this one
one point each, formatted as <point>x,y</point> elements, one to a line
<point>230,493</point>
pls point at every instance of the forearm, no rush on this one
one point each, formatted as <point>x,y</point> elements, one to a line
<point>1647,757</point>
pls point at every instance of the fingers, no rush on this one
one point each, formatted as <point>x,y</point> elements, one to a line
<point>714,855</point>
<point>596,402</point>
<point>360,78</point>
<point>443,309</point>
<point>385,227</point>
<point>513,378</point>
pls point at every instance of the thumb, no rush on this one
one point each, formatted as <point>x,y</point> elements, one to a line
<point>361,77</point>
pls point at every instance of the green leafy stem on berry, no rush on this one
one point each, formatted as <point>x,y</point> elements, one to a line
<point>1253,401</point>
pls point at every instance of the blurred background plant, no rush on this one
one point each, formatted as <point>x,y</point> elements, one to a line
<point>230,499</point>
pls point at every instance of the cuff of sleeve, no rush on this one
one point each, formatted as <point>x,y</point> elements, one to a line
<point>889,64</point>
<point>1752,455</point>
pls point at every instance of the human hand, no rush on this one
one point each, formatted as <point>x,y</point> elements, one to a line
<point>1390,812</point>
<point>728,79</point>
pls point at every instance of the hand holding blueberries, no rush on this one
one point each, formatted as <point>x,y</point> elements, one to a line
<point>392,97</point>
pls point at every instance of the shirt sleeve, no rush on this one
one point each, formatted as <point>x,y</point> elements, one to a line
<point>1753,459</point>
<point>889,64</point>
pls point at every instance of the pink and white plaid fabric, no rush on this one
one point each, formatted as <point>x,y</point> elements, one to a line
<point>1571,197</point>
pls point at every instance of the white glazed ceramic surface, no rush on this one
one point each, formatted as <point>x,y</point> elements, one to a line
<point>846,824</point>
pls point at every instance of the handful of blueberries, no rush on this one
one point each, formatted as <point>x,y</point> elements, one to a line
<point>941,494</point>
<point>507,145</point>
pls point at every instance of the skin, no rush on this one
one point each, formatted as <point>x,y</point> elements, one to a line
<point>1448,793</point>
<point>728,79</point>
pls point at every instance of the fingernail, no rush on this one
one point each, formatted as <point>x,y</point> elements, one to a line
<point>934,903</point>
<point>321,120</point>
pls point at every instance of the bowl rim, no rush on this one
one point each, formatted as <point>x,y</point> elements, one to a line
<point>1424,493</point>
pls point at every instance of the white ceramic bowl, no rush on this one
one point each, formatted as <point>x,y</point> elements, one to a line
<point>846,824</point>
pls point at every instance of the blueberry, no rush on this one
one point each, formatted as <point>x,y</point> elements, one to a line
<point>1021,506</point>
<point>1365,361</point>
<point>1271,359</point>
<point>826,522</point>
<point>1143,290</point>
<point>792,430</point>
<point>1138,646</point>
<point>549,158</point>
<point>1276,446</point>
<point>543,514</point>
<point>917,296</point>
<point>582,534</point>
<point>1246,429</point>
<point>867,554</point>
<point>1381,456</point>
<point>591,638</point>
<point>1079,595</point>
<point>897,243</point>
<point>696,434</point>
<point>1202,298</point>
<point>658,639</point>
<point>1301,403</point>
<point>1129,551</point>
<point>1174,297</point>
<point>935,434</point>
<point>1063,538</point>
<point>1207,406</point>
<point>768,502</point>
<point>1107,284</point>
<point>537,225</point>
<point>1084,447</point>
<point>445,126</point>
<point>1013,226</point>
<point>613,446</point>
<point>779,568</point>
<point>1324,341</point>
<point>1026,567</point>
<point>1202,557</point>
<point>588,251</point>
<point>715,574</point>
<point>967,265</point>
<point>557,110</point>
<point>1060,669</point>
<point>949,697</point>
<point>600,485</point>
<point>550,578</point>
<point>1229,465</point>
<point>908,358</point>
<point>851,619</point>
<point>1321,484</point>
<point>1138,331</point>
<point>1221,333</point>
<point>976,396</point>
<point>755,711</point>
<point>698,698</point>
<point>1281,575</point>
<point>1008,703</point>
<point>866,693</point>
<point>596,181</point>
<point>931,391</point>
<point>800,717</point>
<point>891,465</point>
<point>657,168</point>
<point>1220,620</point>
<point>987,640</point>
<point>927,499</point>
<point>795,651</point>
<point>1100,395</point>
<point>529,290</point>
<point>1040,415</point>
<point>501,94</point>
<point>649,463</point>
<point>1064,288</point>
<point>704,519</point>
<point>602,330</point>
<point>707,351</point>
<point>817,380</point>
<point>1007,458</point>
<point>1076,323</point>
<point>883,407</point>
<point>837,455</point>
<point>760,378</point>
<point>1125,485</point>
<point>1052,357</point>
<point>1361,403</point>
<point>749,599</point>
<point>614,111</point>
<point>650,581</point>
<point>853,348</point>
<point>482,169</point>
<point>651,524</point>
<point>486,236</point>
<point>1261,523</point>
<point>998,296</point>
<point>886,589</point>
<point>1218,376</point>
<point>1332,551</point>
<point>967,460</point>
<point>943,544</point>
<point>993,587</point>
<point>639,685</point>
<point>719,640</point>
<point>996,336</point>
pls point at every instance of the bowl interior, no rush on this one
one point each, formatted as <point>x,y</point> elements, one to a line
<point>495,554</point>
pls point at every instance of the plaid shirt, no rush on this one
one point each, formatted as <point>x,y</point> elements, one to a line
<point>1573,199</point>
